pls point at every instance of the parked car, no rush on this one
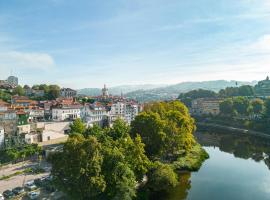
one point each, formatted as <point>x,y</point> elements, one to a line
<point>18,190</point>
<point>30,185</point>
<point>33,195</point>
<point>8,194</point>
<point>1,197</point>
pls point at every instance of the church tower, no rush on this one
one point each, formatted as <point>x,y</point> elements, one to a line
<point>105,91</point>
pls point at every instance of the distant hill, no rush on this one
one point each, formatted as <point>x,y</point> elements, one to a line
<point>117,90</point>
<point>172,91</point>
<point>150,92</point>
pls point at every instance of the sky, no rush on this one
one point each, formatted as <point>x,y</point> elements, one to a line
<point>86,43</point>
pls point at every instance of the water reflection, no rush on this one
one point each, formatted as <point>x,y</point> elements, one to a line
<point>241,146</point>
<point>236,170</point>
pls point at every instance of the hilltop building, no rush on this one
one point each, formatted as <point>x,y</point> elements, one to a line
<point>206,106</point>
<point>68,93</point>
<point>13,80</point>
<point>263,88</point>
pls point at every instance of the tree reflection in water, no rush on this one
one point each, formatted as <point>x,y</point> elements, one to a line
<point>180,192</point>
<point>240,145</point>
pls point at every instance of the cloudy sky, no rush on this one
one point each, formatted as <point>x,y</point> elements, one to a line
<point>85,43</point>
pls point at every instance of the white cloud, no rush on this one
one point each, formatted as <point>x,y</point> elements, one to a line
<point>19,60</point>
<point>262,44</point>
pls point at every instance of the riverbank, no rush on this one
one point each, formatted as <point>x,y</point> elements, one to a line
<point>192,161</point>
<point>206,125</point>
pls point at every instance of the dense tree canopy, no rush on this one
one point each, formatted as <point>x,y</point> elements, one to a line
<point>257,106</point>
<point>100,163</point>
<point>165,128</point>
<point>18,91</point>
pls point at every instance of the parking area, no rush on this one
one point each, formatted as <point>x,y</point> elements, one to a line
<point>18,183</point>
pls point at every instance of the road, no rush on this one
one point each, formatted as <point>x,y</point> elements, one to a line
<point>18,180</point>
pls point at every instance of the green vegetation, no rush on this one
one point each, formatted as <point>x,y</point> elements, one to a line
<point>18,153</point>
<point>50,91</point>
<point>5,95</point>
<point>111,162</point>
<point>19,90</point>
<point>193,160</point>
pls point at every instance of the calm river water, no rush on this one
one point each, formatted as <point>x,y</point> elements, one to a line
<point>238,168</point>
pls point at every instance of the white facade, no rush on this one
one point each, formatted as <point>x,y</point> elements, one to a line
<point>2,137</point>
<point>124,110</point>
<point>24,128</point>
<point>94,114</point>
<point>62,114</point>
<point>51,135</point>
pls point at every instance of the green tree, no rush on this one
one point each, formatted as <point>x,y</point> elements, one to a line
<point>18,90</point>
<point>77,170</point>
<point>165,128</point>
<point>226,107</point>
<point>150,127</point>
<point>54,92</point>
<point>246,90</point>
<point>241,105</point>
<point>78,127</point>
<point>267,107</point>
<point>119,130</point>
<point>161,177</point>
<point>257,106</point>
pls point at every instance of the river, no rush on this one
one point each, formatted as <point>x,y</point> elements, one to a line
<point>238,168</point>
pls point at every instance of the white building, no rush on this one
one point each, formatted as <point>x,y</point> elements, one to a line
<point>124,110</point>
<point>68,93</point>
<point>2,137</point>
<point>36,114</point>
<point>48,131</point>
<point>94,114</point>
<point>13,80</point>
<point>66,112</point>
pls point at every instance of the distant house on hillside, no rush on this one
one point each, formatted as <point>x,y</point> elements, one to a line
<point>68,93</point>
<point>263,87</point>
<point>206,106</point>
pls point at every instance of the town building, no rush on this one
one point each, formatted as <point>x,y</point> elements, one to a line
<point>21,101</point>
<point>34,93</point>
<point>205,106</point>
<point>106,109</point>
<point>13,80</point>
<point>94,113</point>
<point>263,88</point>
<point>64,112</point>
<point>68,93</point>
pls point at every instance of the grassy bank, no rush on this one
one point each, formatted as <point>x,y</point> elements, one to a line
<point>193,160</point>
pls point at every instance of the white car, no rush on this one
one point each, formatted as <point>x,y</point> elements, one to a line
<point>33,195</point>
<point>30,185</point>
<point>1,197</point>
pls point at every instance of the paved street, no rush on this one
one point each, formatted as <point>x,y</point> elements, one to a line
<point>19,180</point>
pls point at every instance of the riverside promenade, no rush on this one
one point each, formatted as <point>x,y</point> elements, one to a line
<point>203,125</point>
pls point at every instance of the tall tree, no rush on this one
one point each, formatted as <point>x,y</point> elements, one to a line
<point>18,90</point>
<point>77,170</point>
<point>241,105</point>
<point>78,127</point>
<point>267,107</point>
<point>226,107</point>
<point>257,106</point>
<point>54,92</point>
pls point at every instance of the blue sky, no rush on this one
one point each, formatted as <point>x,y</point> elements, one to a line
<point>86,43</point>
